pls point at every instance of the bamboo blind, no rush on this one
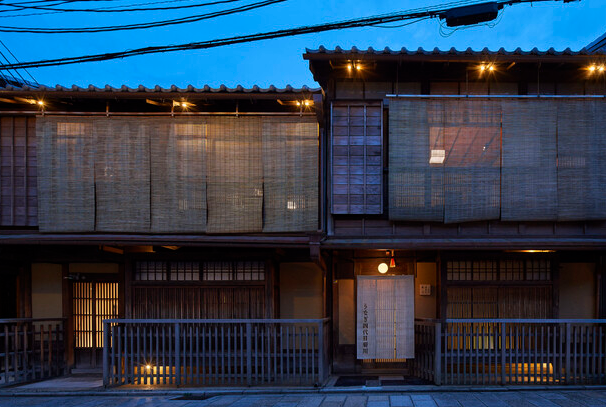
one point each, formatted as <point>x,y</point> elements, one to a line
<point>529,173</point>
<point>472,163</point>
<point>459,160</point>
<point>290,171</point>
<point>66,185</point>
<point>215,175</point>
<point>581,161</point>
<point>416,187</point>
<point>235,175</point>
<point>122,175</point>
<point>178,175</point>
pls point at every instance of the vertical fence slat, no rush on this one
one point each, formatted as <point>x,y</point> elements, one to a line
<point>106,364</point>
<point>438,354</point>
<point>177,329</point>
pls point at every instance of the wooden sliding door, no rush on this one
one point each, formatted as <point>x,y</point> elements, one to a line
<point>92,302</point>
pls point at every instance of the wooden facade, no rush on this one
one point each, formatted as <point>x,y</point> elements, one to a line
<point>478,202</point>
<point>217,236</point>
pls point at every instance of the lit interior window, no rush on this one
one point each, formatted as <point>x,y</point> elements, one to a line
<point>437,156</point>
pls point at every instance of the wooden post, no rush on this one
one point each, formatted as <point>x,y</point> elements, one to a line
<point>126,270</point>
<point>437,378</point>
<point>503,349</point>
<point>321,366</point>
<point>105,354</point>
<point>248,354</point>
<point>567,361</point>
<point>177,354</point>
<point>67,313</point>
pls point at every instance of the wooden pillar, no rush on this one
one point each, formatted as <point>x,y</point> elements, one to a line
<point>67,313</point>
<point>124,296</point>
<point>601,283</point>
<point>555,276</point>
<point>270,278</point>
<point>442,288</point>
<point>24,291</point>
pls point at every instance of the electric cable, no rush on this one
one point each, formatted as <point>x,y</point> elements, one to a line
<point>163,23</point>
<point>437,11</point>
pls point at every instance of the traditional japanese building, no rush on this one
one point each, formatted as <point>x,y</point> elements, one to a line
<point>434,214</point>
<point>465,193</point>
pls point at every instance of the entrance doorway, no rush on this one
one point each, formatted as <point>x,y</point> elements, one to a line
<point>92,302</point>
<point>385,320</point>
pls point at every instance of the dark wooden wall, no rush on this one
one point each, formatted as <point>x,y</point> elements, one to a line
<point>18,177</point>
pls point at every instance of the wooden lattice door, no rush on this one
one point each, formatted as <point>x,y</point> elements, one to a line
<point>92,302</point>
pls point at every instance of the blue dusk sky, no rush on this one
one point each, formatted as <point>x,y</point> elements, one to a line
<point>278,62</point>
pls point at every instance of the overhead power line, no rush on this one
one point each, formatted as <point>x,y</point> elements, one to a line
<point>163,23</point>
<point>112,9</point>
<point>417,14</point>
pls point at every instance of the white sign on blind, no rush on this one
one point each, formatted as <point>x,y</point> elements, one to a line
<point>385,317</point>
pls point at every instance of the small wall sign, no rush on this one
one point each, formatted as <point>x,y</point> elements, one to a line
<point>424,289</point>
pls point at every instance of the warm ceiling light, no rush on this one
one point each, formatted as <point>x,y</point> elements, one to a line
<point>601,68</point>
<point>306,102</point>
<point>40,103</point>
<point>530,251</point>
<point>349,66</point>
<point>592,68</point>
<point>491,68</point>
<point>182,104</point>
<point>383,267</point>
<point>298,103</point>
<point>482,67</point>
<point>358,67</point>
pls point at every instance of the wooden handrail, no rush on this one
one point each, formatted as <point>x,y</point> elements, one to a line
<point>216,321</point>
<point>525,321</point>
<point>15,320</point>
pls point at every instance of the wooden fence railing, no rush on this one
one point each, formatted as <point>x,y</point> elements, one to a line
<point>31,349</point>
<point>511,351</point>
<point>216,352</point>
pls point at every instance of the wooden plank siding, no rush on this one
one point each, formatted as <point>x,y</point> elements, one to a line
<point>357,158</point>
<point>18,174</point>
<point>198,302</point>
<point>386,228</point>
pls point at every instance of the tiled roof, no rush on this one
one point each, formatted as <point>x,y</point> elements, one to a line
<point>309,53</point>
<point>159,89</point>
<point>599,44</point>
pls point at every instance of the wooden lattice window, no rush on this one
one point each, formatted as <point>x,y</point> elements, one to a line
<point>150,270</point>
<point>357,158</point>
<point>504,270</point>
<point>198,270</point>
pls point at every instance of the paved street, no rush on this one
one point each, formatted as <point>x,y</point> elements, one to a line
<point>565,398</point>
